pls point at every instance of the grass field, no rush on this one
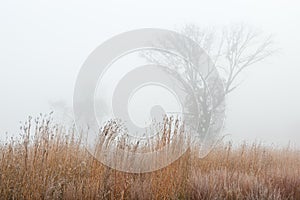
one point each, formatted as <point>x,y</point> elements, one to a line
<point>47,162</point>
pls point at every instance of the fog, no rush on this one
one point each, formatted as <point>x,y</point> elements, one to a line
<point>44,43</point>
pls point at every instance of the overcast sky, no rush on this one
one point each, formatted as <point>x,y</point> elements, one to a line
<point>43,44</point>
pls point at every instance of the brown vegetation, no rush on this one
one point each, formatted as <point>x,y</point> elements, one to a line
<point>51,164</point>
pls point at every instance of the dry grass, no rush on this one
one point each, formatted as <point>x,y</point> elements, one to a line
<point>47,162</point>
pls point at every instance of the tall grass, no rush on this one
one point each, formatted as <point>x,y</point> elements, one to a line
<point>47,161</point>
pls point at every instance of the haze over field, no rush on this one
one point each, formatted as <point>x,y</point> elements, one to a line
<point>44,43</point>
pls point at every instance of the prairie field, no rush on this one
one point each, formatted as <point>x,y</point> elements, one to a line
<point>47,161</point>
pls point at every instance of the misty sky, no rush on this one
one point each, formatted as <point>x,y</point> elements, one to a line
<point>44,43</point>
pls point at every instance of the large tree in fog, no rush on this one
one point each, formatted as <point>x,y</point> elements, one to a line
<point>232,50</point>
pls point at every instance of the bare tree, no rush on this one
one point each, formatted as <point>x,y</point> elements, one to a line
<point>232,50</point>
